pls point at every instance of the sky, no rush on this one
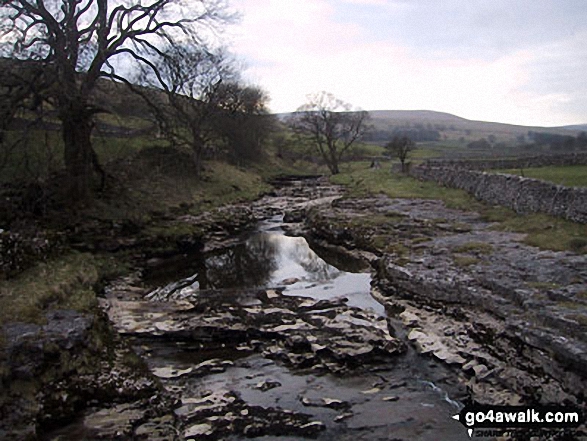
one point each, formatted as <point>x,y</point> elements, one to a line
<point>519,62</point>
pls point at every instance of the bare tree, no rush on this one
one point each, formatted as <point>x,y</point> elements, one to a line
<point>244,122</point>
<point>191,79</point>
<point>205,106</point>
<point>330,125</point>
<point>401,148</point>
<point>77,42</point>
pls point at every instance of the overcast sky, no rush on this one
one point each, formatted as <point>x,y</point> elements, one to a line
<point>520,62</point>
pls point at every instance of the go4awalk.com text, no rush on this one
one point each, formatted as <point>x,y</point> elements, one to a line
<point>501,420</point>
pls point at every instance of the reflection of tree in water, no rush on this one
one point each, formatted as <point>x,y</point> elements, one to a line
<point>244,265</point>
<point>252,263</point>
<point>298,250</point>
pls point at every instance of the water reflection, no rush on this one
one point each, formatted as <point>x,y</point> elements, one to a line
<point>265,259</point>
<point>270,259</point>
<point>245,265</point>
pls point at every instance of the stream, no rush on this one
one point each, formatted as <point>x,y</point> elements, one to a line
<point>403,397</point>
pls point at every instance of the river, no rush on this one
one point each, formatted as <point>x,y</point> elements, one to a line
<point>404,398</point>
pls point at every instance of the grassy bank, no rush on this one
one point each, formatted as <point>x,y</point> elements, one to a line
<point>542,231</point>
<point>569,176</point>
<point>66,282</point>
<point>144,197</point>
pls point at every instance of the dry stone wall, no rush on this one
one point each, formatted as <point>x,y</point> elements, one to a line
<point>526,162</point>
<point>524,195</point>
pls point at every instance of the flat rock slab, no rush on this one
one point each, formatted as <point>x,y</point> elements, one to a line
<point>321,335</point>
<point>472,296</point>
<point>214,415</point>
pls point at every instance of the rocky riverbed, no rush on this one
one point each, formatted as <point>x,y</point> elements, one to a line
<point>407,311</point>
<point>510,318</point>
<point>264,339</point>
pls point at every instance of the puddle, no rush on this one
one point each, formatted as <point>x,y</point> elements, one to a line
<point>405,399</point>
<point>269,259</point>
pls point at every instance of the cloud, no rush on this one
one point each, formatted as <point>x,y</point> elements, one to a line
<point>297,47</point>
<point>367,2</point>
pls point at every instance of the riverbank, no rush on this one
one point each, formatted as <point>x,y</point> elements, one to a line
<point>509,317</point>
<point>60,360</point>
<point>209,336</point>
<point>263,338</point>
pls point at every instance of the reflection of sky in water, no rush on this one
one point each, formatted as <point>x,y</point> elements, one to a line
<point>267,260</point>
<point>318,279</point>
<point>295,259</point>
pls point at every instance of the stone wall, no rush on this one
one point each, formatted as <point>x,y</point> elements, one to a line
<point>527,162</point>
<point>524,195</point>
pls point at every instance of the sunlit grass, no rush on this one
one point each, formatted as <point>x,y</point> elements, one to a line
<point>63,283</point>
<point>362,180</point>
<point>570,175</point>
<point>542,231</point>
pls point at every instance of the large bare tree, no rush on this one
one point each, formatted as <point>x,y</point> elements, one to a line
<point>330,124</point>
<point>77,42</point>
<point>205,106</point>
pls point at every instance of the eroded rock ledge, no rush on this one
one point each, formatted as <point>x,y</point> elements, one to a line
<point>317,335</point>
<point>307,335</point>
<point>510,316</point>
<point>74,370</point>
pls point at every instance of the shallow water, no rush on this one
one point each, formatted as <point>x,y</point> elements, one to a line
<point>410,402</point>
<point>270,259</point>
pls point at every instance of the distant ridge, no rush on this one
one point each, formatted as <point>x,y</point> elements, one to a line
<point>581,127</point>
<point>383,119</point>
<point>422,115</point>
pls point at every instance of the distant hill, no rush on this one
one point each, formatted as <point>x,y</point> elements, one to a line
<point>580,127</point>
<point>452,127</point>
<point>441,118</point>
<point>413,115</point>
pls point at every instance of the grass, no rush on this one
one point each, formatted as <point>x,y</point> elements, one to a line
<point>129,122</point>
<point>581,319</point>
<point>474,247</point>
<point>109,148</point>
<point>423,153</point>
<point>542,231</point>
<point>363,180</point>
<point>41,152</point>
<point>569,176</point>
<point>367,149</point>
<point>36,155</point>
<point>464,261</point>
<point>67,282</point>
<point>148,191</point>
<point>223,183</point>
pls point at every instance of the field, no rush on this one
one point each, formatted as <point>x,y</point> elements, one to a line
<point>569,176</point>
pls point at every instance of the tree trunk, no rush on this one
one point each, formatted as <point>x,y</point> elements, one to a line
<point>197,151</point>
<point>197,157</point>
<point>332,163</point>
<point>77,131</point>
